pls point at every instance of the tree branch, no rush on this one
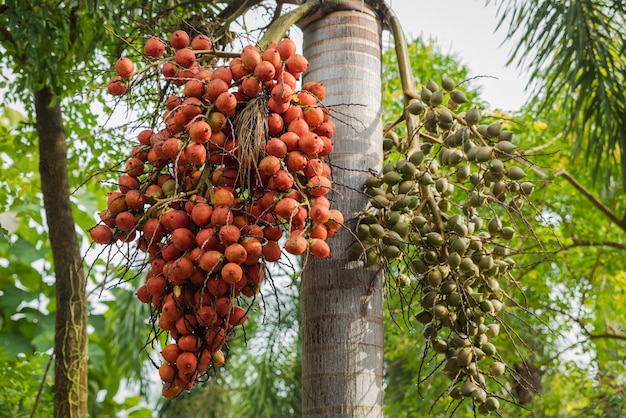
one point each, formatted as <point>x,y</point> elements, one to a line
<point>594,200</point>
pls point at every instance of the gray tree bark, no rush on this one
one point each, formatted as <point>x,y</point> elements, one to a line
<point>342,303</point>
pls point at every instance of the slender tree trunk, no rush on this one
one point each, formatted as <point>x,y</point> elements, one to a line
<point>70,343</point>
<point>342,303</point>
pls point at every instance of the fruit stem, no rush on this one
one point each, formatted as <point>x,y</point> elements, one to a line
<point>279,27</point>
<point>406,79</point>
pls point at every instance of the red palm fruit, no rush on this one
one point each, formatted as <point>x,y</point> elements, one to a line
<point>202,296</point>
<point>193,88</point>
<point>144,136</point>
<point>222,215</point>
<point>277,107</point>
<point>238,70</point>
<point>223,73</point>
<point>275,147</point>
<point>154,48</point>
<point>166,323</point>
<point>250,57</point>
<point>299,217</point>
<point>206,316</point>
<point>310,143</point>
<point>116,203</point>
<point>318,186</point>
<point>192,106</point>
<point>214,88</point>
<point>282,93</point>
<point>211,261</point>
<point>124,67</point>
<point>183,239</point>
<point>195,153</point>
<point>125,221</point>
<point>222,306</point>
<point>198,276</point>
<point>255,273</point>
<point>275,124</point>
<point>268,199</point>
<point>180,270</point>
<point>319,248</point>
<point>170,391</point>
<point>207,239</point>
<point>319,213</point>
<point>217,287</point>
<point>116,86</point>
<point>185,58</point>
<point>186,363</point>
<point>170,352</point>
<point>187,343</point>
<point>171,147</point>
<point>252,230</point>
<point>229,234</point>
<point>296,64</point>
<point>126,183</point>
<point>201,214</point>
<point>272,56</point>
<point>264,71</point>
<point>223,196</point>
<point>153,231</point>
<point>315,168</point>
<point>127,236</point>
<point>336,220</point>
<point>254,249</point>
<point>169,253</point>
<point>298,126</point>
<point>107,218</point>
<point>250,86</point>
<point>185,381</point>
<point>201,42</point>
<point>286,207</point>
<point>291,140</point>
<point>296,161</point>
<point>101,234</point>
<point>217,121</point>
<point>170,311</point>
<point>174,219</point>
<point>286,48</point>
<point>204,359</point>
<point>231,273</point>
<point>169,70</point>
<point>235,253</point>
<point>156,265</point>
<point>237,316</point>
<point>314,116</point>
<point>317,89</point>
<point>226,103</point>
<point>306,99</point>
<point>167,372</point>
<point>271,250</point>
<point>318,231</point>
<point>288,79</point>
<point>134,167</point>
<point>140,151</point>
<point>143,295</point>
<point>156,285</point>
<point>186,324</point>
<point>179,39</point>
<point>199,131</point>
<point>240,221</point>
<point>274,232</point>
<point>269,165</point>
<point>292,113</point>
<point>281,181</point>
<point>296,244</point>
<point>326,129</point>
<point>217,141</point>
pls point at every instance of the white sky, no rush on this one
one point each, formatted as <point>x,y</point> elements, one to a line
<point>465,28</point>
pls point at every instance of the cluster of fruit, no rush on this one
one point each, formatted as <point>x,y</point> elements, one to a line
<point>238,166</point>
<point>435,222</point>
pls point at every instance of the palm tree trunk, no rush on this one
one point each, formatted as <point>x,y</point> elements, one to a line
<point>342,303</point>
<point>70,343</point>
